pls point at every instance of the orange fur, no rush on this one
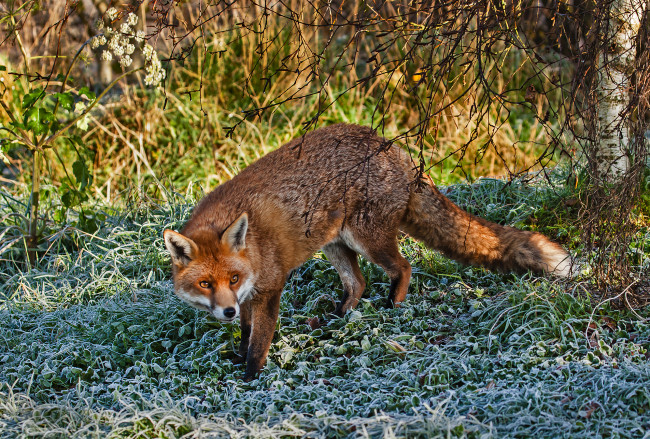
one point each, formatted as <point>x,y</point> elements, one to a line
<point>346,191</point>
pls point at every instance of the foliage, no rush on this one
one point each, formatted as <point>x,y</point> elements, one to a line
<point>45,115</point>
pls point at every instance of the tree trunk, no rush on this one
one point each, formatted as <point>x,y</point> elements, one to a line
<point>617,62</point>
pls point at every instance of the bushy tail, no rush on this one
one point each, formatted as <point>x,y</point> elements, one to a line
<point>441,225</point>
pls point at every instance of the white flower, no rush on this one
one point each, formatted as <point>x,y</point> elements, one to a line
<point>147,51</point>
<point>155,72</point>
<point>111,14</point>
<point>118,50</point>
<point>125,61</point>
<point>102,40</point>
<point>114,42</point>
<point>99,24</point>
<point>153,64</point>
<point>129,49</point>
<point>126,29</point>
<point>139,36</point>
<point>132,19</point>
<point>106,55</point>
<point>154,78</point>
<point>94,43</point>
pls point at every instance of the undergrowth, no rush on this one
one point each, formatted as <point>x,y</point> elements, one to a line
<point>137,138</point>
<point>93,343</point>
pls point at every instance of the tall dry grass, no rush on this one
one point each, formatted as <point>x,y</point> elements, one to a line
<point>248,80</point>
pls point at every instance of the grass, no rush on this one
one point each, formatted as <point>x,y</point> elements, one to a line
<point>93,343</point>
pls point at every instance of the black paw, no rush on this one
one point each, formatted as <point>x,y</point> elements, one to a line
<point>391,304</point>
<point>338,311</point>
<point>239,359</point>
<point>248,378</point>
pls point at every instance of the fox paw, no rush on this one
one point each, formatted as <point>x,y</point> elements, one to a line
<point>239,359</point>
<point>390,304</point>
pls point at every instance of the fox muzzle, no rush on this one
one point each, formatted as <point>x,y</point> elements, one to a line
<point>227,314</point>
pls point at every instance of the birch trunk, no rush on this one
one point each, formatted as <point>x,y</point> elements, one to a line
<point>617,63</point>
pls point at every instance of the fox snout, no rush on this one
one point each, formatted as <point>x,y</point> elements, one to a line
<point>227,314</point>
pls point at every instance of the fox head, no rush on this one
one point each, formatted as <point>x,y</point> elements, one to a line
<point>212,273</point>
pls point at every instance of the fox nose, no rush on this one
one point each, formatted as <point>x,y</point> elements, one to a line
<point>229,312</point>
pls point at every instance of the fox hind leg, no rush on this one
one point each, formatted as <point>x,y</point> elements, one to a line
<point>344,260</point>
<point>385,253</point>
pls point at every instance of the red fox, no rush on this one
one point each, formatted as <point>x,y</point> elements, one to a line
<point>343,190</point>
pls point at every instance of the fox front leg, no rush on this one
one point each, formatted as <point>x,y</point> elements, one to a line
<point>245,324</point>
<point>264,310</point>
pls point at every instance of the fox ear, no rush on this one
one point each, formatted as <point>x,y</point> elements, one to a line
<point>181,248</point>
<point>235,235</point>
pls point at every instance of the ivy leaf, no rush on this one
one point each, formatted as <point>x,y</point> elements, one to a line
<point>60,77</point>
<point>81,174</point>
<point>66,100</point>
<point>71,197</point>
<point>37,120</point>
<point>87,222</point>
<point>59,215</point>
<point>32,97</point>
<point>85,91</point>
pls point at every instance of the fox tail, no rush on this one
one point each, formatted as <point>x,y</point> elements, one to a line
<point>435,220</point>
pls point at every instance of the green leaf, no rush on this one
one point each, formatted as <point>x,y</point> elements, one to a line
<point>37,120</point>
<point>85,91</point>
<point>3,68</point>
<point>76,140</point>
<point>59,215</point>
<point>65,100</point>
<point>70,196</point>
<point>81,173</point>
<point>60,77</point>
<point>68,199</point>
<point>31,116</point>
<point>31,98</point>
<point>87,223</point>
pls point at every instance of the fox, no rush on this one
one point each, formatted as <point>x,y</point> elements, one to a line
<point>344,190</point>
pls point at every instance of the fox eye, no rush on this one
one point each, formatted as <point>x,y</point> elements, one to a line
<point>234,279</point>
<point>204,284</point>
